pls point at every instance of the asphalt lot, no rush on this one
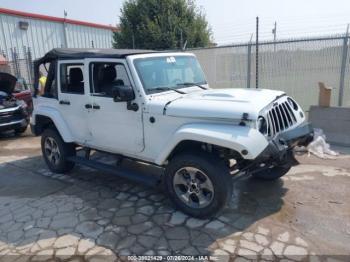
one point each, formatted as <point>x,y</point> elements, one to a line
<point>95,216</point>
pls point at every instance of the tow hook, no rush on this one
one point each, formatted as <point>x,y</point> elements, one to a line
<point>282,142</point>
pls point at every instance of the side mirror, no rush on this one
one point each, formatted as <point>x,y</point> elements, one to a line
<point>123,94</point>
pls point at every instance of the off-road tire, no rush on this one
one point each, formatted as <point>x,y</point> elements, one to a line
<point>214,168</point>
<point>21,130</point>
<point>271,173</point>
<point>65,149</point>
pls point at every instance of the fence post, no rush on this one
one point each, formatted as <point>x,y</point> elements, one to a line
<point>64,27</point>
<point>29,63</point>
<point>343,68</point>
<point>249,69</point>
<point>3,53</point>
<point>257,54</point>
<point>15,61</point>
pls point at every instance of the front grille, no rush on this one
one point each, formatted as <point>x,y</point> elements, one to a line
<point>9,116</point>
<point>280,117</point>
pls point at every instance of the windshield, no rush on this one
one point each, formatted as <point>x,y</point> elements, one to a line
<point>21,85</point>
<point>159,74</point>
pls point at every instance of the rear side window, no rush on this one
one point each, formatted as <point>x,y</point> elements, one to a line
<point>47,82</point>
<point>72,78</point>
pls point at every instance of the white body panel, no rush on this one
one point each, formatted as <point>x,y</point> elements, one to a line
<point>75,114</point>
<point>209,116</point>
<point>224,135</point>
<point>228,103</point>
<point>114,128</point>
<point>48,108</point>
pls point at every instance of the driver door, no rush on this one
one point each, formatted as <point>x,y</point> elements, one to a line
<point>114,128</point>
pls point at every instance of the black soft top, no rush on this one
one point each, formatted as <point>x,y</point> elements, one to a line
<point>80,53</point>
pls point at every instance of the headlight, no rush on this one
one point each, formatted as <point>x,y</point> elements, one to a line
<point>262,125</point>
<point>22,103</point>
<point>24,106</point>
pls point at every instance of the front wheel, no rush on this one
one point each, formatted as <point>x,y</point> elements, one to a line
<point>56,151</point>
<point>199,184</point>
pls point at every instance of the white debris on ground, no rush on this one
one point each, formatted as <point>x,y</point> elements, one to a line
<point>319,147</point>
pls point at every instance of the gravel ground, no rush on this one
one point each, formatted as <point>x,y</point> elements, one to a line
<point>89,215</point>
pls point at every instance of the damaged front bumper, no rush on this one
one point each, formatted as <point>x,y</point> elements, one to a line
<point>13,125</point>
<point>279,151</point>
<point>13,118</point>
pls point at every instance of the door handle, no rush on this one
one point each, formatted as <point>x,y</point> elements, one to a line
<point>88,106</point>
<point>96,107</point>
<point>64,102</point>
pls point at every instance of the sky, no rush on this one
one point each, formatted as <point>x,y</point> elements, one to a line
<point>231,21</point>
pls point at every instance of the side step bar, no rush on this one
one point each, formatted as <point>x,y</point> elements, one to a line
<point>138,177</point>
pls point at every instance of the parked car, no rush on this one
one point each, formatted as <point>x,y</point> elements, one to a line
<point>158,108</point>
<point>14,112</point>
<point>23,92</point>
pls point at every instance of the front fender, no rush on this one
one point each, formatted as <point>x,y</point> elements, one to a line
<point>57,119</point>
<point>235,137</point>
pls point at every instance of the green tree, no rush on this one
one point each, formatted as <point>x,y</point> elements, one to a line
<point>161,24</point>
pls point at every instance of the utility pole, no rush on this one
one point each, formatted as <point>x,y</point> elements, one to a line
<point>65,29</point>
<point>343,67</point>
<point>274,32</point>
<point>177,30</point>
<point>185,45</point>
<point>133,40</point>
<point>132,35</point>
<point>249,58</point>
<point>181,40</point>
<point>257,54</point>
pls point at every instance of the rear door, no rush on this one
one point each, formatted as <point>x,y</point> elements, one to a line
<point>73,98</point>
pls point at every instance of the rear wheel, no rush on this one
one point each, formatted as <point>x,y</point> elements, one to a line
<point>271,173</point>
<point>56,151</point>
<point>199,184</point>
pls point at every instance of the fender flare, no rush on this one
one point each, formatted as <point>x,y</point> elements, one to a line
<point>57,119</point>
<point>234,137</point>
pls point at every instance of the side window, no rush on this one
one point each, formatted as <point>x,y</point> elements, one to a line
<point>72,78</point>
<point>21,85</point>
<point>104,77</point>
<point>47,84</point>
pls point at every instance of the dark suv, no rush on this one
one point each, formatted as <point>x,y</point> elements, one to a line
<point>14,114</point>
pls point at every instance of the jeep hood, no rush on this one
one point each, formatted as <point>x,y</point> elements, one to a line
<point>7,83</point>
<point>222,103</point>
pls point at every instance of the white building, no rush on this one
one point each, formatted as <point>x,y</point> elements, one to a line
<point>22,31</point>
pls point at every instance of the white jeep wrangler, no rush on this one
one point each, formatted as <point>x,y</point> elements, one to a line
<point>157,108</point>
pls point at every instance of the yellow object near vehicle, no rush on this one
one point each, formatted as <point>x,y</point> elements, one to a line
<point>42,82</point>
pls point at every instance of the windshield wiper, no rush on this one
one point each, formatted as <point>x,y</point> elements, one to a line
<point>166,88</point>
<point>192,84</point>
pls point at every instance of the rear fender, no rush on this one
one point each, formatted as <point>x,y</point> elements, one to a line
<point>245,140</point>
<point>57,119</point>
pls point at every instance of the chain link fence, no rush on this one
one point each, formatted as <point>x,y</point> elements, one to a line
<point>294,66</point>
<point>18,63</point>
